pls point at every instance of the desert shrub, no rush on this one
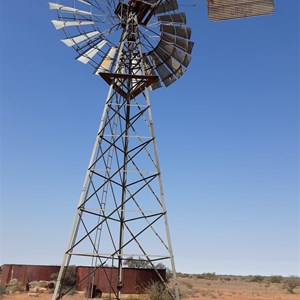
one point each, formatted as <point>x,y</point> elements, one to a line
<point>157,291</point>
<point>137,263</point>
<point>226,278</point>
<point>69,279</point>
<point>208,293</point>
<point>14,286</point>
<point>2,289</point>
<point>209,276</point>
<point>187,290</point>
<point>188,284</point>
<point>184,275</point>
<point>275,279</point>
<point>257,278</point>
<point>291,283</point>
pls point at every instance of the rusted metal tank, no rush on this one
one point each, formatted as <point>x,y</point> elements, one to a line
<point>134,280</point>
<point>25,273</point>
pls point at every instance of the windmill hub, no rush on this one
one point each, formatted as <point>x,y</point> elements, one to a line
<point>143,11</point>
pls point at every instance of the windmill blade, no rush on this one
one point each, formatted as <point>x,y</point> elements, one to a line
<point>136,70</point>
<point>120,70</point>
<point>179,18</point>
<point>182,31</point>
<point>166,6</point>
<point>80,38</point>
<point>68,9</point>
<point>105,64</point>
<point>90,53</point>
<point>165,75</point>
<point>84,2</point>
<point>136,66</point>
<point>183,44</point>
<point>172,64</point>
<point>151,72</point>
<point>179,55</point>
<point>61,24</point>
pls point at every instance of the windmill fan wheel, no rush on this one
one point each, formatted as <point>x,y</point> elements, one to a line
<point>93,28</point>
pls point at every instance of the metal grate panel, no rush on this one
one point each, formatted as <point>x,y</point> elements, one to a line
<point>232,9</point>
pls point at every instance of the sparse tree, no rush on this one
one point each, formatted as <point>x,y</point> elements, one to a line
<point>160,266</point>
<point>137,263</point>
<point>291,283</point>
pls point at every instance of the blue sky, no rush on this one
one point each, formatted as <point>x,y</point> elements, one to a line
<point>228,141</point>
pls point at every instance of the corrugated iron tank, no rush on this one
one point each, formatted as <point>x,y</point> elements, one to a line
<point>25,273</point>
<point>135,280</point>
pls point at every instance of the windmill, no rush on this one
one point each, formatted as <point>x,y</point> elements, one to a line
<point>135,46</point>
<point>121,215</point>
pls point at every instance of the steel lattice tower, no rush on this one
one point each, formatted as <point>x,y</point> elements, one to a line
<point>121,214</point>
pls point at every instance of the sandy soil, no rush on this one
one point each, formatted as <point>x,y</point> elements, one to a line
<point>201,289</point>
<point>235,289</point>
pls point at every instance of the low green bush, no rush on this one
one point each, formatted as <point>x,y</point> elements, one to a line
<point>276,279</point>
<point>69,277</point>
<point>2,289</point>
<point>256,278</point>
<point>210,276</point>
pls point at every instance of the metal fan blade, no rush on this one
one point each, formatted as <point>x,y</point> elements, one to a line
<point>179,18</point>
<point>106,62</point>
<point>182,31</point>
<point>136,70</point>
<point>165,75</point>
<point>183,44</point>
<point>136,67</point>
<point>89,54</point>
<point>172,64</point>
<point>120,70</point>
<point>166,6</point>
<point>85,2</point>
<point>62,24</point>
<point>79,38</point>
<point>151,72</point>
<point>68,9</point>
<point>179,55</point>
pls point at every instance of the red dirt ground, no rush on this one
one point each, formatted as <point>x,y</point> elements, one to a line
<point>234,288</point>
